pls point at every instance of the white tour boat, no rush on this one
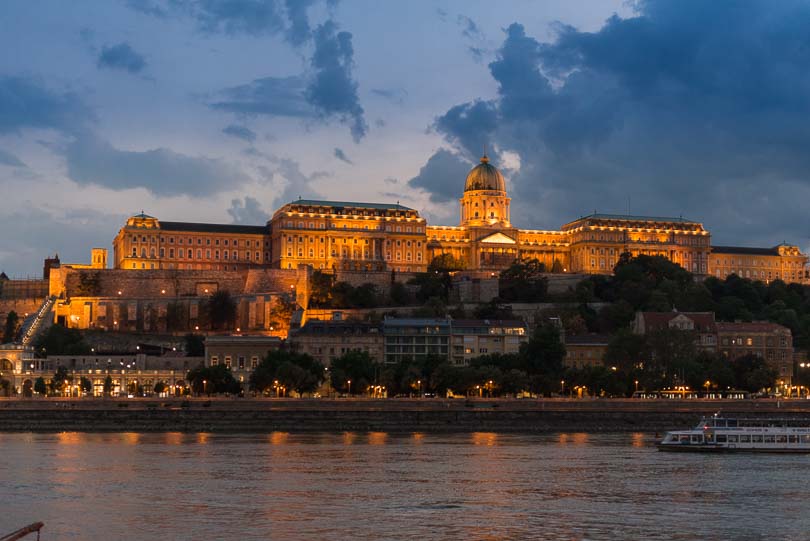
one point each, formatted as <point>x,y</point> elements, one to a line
<point>728,434</point>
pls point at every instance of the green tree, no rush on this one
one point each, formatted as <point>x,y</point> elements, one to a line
<point>355,366</point>
<point>221,309</point>
<point>523,281</point>
<point>60,380</point>
<point>399,294</point>
<point>86,386</point>
<point>194,345</point>
<point>626,350</point>
<point>320,289</point>
<point>543,356</point>
<point>108,386</point>
<point>445,263</point>
<point>751,373</point>
<point>40,387</point>
<point>11,326</point>
<point>296,371</point>
<point>160,387</point>
<point>213,380</point>
<point>59,340</point>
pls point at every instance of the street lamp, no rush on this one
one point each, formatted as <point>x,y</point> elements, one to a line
<point>419,387</point>
<point>349,382</point>
<point>636,382</point>
<point>562,387</point>
<point>205,386</point>
<point>707,384</point>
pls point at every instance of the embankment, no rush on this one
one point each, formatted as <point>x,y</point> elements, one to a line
<point>268,415</point>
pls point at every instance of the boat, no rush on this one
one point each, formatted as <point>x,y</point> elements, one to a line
<point>730,434</point>
<point>23,532</point>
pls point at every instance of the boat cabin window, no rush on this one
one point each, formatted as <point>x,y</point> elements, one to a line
<point>697,438</point>
<point>721,438</point>
<point>781,439</point>
<point>805,438</point>
<point>756,438</point>
<point>793,438</point>
<point>732,423</point>
<point>732,438</point>
<point>770,439</point>
<point>684,438</point>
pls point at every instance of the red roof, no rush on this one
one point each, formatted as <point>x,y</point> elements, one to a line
<point>704,321</point>
<point>755,326</point>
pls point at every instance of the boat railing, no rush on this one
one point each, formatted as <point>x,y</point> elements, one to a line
<point>22,532</point>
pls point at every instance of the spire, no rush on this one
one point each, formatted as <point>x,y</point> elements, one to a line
<point>485,158</point>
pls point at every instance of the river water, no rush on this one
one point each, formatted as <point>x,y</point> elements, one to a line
<point>386,486</point>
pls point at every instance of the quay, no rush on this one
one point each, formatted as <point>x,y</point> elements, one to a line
<point>245,415</point>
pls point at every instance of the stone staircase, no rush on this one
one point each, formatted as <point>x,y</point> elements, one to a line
<point>36,322</point>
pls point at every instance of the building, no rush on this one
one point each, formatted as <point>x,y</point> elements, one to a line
<point>327,340</point>
<point>456,340</point>
<point>782,262</point>
<point>366,237</point>
<point>701,323</point>
<point>585,350</point>
<point>348,236</point>
<point>239,353</point>
<point>148,243</point>
<point>128,373</point>
<point>771,341</point>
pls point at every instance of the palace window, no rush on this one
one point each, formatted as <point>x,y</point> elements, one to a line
<point>171,252</point>
<point>225,242</point>
<point>225,254</point>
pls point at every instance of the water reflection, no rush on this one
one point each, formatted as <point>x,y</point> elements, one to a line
<point>393,486</point>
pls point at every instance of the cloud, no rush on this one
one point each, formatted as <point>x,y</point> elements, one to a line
<point>249,212</point>
<point>689,108</point>
<point>7,158</point>
<point>391,180</point>
<point>332,89</point>
<point>298,185</point>
<point>121,56</point>
<point>161,171</point>
<point>469,29</point>
<point>298,31</point>
<point>280,96</point>
<point>394,95</point>
<point>442,176</point>
<point>68,233</point>
<point>340,155</point>
<point>240,132</point>
<point>154,8</point>
<point>25,103</point>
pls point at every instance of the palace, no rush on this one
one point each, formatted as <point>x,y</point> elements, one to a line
<point>356,236</point>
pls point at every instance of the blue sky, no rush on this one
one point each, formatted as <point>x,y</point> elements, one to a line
<point>222,110</point>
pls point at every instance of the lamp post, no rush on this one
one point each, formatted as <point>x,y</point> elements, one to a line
<point>707,384</point>
<point>349,382</point>
<point>636,382</point>
<point>205,386</point>
<point>562,387</point>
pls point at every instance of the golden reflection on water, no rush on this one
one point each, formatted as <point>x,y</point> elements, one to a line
<point>348,438</point>
<point>70,438</point>
<point>484,438</point>
<point>577,438</point>
<point>418,438</point>
<point>279,438</point>
<point>203,437</point>
<point>173,438</point>
<point>637,439</point>
<point>377,438</point>
<point>131,438</point>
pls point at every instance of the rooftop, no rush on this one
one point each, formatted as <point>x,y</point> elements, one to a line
<point>213,228</point>
<point>750,326</point>
<point>632,218</point>
<point>349,204</point>
<point>744,250</point>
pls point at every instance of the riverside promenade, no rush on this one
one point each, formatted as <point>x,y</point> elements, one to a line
<point>246,415</point>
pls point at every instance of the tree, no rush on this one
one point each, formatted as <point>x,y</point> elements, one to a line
<point>160,387</point>
<point>221,310</point>
<point>194,345</point>
<point>543,357</point>
<point>40,387</point>
<point>60,380</point>
<point>445,263</point>
<point>11,327</point>
<point>108,386</point>
<point>355,366</point>
<point>626,350</point>
<point>213,380</point>
<point>59,340</point>
<point>86,385</point>
<point>752,374</point>
<point>523,281</point>
<point>320,289</point>
<point>296,371</point>
<point>399,294</point>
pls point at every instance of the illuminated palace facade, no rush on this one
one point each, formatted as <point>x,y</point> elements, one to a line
<point>356,236</point>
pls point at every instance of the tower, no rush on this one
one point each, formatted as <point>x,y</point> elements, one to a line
<point>485,203</point>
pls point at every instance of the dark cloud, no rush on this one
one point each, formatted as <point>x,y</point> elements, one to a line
<point>161,171</point>
<point>469,29</point>
<point>394,95</point>
<point>280,96</point>
<point>248,212</point>
<point>689,108</point>
<point>25,103</point>
<point>442,14</point>
<point>391,180</point>
<point>340,155</point>
<point>240,132</point>
<point>442,176</point>
<point>154,8</point>
<point>7,158</point>
<point>298,31</point>
<point>121,56</point>
<point>332,89</point>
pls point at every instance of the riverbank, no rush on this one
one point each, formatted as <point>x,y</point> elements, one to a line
<point>364,415</point>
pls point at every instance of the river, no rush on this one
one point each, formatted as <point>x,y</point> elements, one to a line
<point>385,486</point>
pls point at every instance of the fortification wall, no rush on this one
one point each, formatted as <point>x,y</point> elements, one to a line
<point>21,306</point>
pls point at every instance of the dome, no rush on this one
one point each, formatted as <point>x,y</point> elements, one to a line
<point>484,176</point>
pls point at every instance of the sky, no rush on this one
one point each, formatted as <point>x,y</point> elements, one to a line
<point>223,110</point>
